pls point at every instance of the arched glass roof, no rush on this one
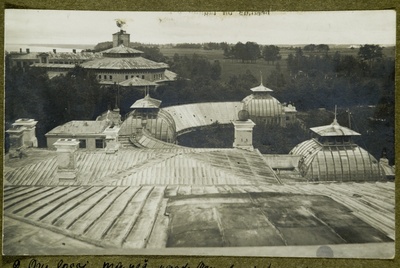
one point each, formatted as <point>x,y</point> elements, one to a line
<point>348,162</point>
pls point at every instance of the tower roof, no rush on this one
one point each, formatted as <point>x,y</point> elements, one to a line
<point>122,51</point>
<point>147,102</point>
<point>333,130</point>
<point>261,88</point>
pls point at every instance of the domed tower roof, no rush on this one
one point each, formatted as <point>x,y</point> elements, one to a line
<point>262,107</point>
<point>146,103</point>
<point>333,156</point>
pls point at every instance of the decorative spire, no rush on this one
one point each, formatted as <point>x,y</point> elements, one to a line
<point>261,79</point>
<point>335,120</point>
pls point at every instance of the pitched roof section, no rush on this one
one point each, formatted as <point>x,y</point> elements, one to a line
<point>80,127</point>
<point>176,166</point>
<point>122,50</point>
<point>333,130</point>
<point>136,63</point>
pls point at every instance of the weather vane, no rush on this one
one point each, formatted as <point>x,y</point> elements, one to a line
<point>120,23</point>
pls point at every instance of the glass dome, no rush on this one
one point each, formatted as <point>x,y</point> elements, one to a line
<point>159,124</point>
<point>332,156</point>
<point>264,109</point>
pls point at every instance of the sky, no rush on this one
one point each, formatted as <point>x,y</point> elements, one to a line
<point>92,27</point>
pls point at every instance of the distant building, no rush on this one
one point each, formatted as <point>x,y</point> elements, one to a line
<point>333,156</point>
<point>126,66</point>
<point>120,64</point>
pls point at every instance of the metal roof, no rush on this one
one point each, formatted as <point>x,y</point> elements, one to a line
<point>182,165</point>
<point>162,198</point>
<point>121,49</point>
<point>137,63</point>
<point>261,88</point>
<point>169,75</point>
<point>334,129</point>
<point>54,65</point>
<point>79,127</point>
<point>134,217</point>
<point>146,102</point>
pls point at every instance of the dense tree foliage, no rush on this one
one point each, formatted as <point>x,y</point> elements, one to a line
<point>188,45</point>
<point>152,53</point>
<point>103,46</point>
<point>271,53</point>
<point>370,52</point>
<point>215,46</point>
<point>249,52</point>
<point>316,48</point>
<point>30,94</point>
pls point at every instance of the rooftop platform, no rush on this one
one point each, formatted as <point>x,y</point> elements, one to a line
<point>122,218</point>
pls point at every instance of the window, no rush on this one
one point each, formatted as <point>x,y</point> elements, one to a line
<point>110,77</point>
<point>99,143</point>
<point>142,76</point>
<point>99,76</point>
<point>126,77</point>
<point>105,77</point>
<point>132,76</point>
<point>82,144</point>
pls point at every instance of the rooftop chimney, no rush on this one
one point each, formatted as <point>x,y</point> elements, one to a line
<point>243,131</point>
<point>29,134</point>
<point>28,50</point>
<point>54,50</point>
<point>16,141</point>
<point>74,51</point>
<point>66,159</point>
<point>112,144</point>
<point>20,50</point>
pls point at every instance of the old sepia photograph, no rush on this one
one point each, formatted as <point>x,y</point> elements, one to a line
<point>199,133</point>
